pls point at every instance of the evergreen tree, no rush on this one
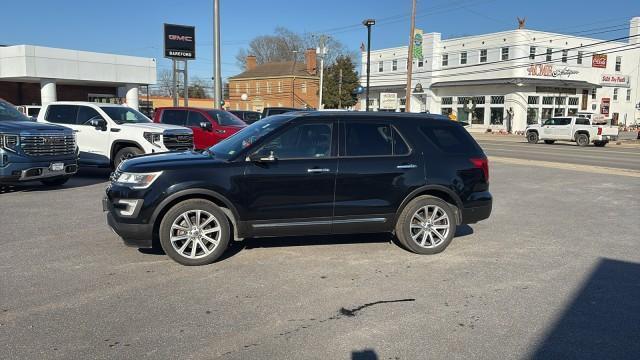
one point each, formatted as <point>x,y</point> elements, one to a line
<point>335,96</point>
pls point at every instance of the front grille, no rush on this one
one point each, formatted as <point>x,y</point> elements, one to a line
<point>48,144</point>
<point>178,142</point>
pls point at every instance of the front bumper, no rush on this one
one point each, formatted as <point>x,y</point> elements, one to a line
<point>15,172</point>
<point>133,234</point>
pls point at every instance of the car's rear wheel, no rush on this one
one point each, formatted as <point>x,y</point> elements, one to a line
<point>582,139</point>
<point>427,225</point>
<point>549,142</point>
<point>194,232</point>
<point>56,181</point>
<point>532,137</point>
<point>124,154</point>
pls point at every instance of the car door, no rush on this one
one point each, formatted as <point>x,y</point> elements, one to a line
<point>562,130</point>
<point>202,137</point>
<point>94,142</point>
<point>377,168</point>
<point>291,192</point>
<point>547,129</point>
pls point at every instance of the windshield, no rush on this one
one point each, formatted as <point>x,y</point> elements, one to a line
<point>231,146</point>
<point>225,118</point>
<point>9,112</point>
<point>125,115</point>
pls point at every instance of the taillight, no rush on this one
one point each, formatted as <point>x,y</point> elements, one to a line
<point>482,164</point>
<point>599,131</point>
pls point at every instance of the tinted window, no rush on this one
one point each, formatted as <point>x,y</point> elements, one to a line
<point>300,142</point>
<point>582,122</point>
<point>365,139</point>
<point>174,117</point>
<point>125,115</point>
<point>552,121</point>
<point>451,139</point>
<point>195,118</point>
<point>85,114</point>
<point>244,138</point>
<point>400,147</point>
<point>225,118</point>
<point>565,121</point>
<point>33,112</point>
<point>62,114</point>
<point>9,113</point>
<point>251,117</point>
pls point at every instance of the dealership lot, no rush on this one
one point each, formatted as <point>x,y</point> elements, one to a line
<point>558,257</point>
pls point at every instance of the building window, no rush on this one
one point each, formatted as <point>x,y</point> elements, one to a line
<point>446,111</point>
<point>593,94</point>
<point>445,59</point>
<point>561,100</point>
<point>257,87</point>
<point>565,54</point>
<point>546,113</point>
<point>618,63</point>
<point>394,65</point>
<point>497,116</point>
<point>477,117</point>
<point>268,87</point>
<point>381,66</point>
<point>304,87</point>
<point>246,88</point>
<point>549,53</point>
<point>579,57</point>
<point>483,55</point>
<point>447,100</point>
<point>420,63</point>
<point>505,54</point>
<point>558,111</point>
<point>497,99</point>
<point>628,94</point>
<point>532,52</point>
<point>279,86</point>
<point>463,58</point>
<point>573,101</point>
<point>533,100</point>
<point>547,100</point>
<point>532,116</point>
<point>615,94</point>
<point>238,89</point>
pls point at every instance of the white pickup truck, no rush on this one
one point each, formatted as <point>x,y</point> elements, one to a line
<point>107,134</point>
<point>578,129</point>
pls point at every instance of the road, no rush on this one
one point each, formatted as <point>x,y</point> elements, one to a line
<point>612,156</point>
<point>554,273</point>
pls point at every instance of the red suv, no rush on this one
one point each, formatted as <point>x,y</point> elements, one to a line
<point>210,126</point>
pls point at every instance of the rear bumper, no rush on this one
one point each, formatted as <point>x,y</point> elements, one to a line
<point>479,208</point>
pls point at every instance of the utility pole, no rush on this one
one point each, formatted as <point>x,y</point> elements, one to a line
<point>293,79</point>
<point>368,23</point>
<point>321,51</point>
<point>217,86</point>
<point>340,90</point>
<point>407,106</point>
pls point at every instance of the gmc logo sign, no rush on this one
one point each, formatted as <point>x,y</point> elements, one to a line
<point>181,38</point>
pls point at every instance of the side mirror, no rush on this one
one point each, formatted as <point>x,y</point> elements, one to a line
<point>206,125</point>
<point>261,158</point>
<point>98,123</point>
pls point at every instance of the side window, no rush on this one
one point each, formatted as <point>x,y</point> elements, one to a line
<point>85,114</point>
<point>400,147</point>
<point>301,142</point>
<point>195,118</point>
<point>450,139</point>
<point>565,121</point>
<point>62,114</point>
<point>551,121</point>
<point>582,122</point>
<point>174,117</point>
<point>367,139</point>
<point>251,117</point>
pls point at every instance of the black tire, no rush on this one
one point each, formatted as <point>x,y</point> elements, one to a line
<point>165,232</point>
<point>582,139</point>
<point>550,142</point>
<point>599,143</point>
<point>404,231</point>
<point>56,181</point>
<point>124,154</point>
<point>532,137</point>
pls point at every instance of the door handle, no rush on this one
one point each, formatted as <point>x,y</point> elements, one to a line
<point>220,131</point>
<point>318,170</point>
<point>407,166</point>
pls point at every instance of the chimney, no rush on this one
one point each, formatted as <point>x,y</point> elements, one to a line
<point>251,63</point>
<point>310,60</point>
<point>634,30</point>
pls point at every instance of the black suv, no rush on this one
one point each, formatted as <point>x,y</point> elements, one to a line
<point>306,173</point>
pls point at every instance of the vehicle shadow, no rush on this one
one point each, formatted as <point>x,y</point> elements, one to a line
<point>84,177</point>
<point>603,319</point>
<point>366,354</point>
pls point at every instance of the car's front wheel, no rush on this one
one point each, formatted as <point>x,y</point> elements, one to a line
<point>194,232</point>
<point>427,225</point>
<point>124,154</point>
<point>532,137</point>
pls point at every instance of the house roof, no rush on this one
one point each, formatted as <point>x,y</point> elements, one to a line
<point>275,69</point>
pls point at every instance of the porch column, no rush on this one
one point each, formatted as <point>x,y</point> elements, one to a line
<point>48,92</point>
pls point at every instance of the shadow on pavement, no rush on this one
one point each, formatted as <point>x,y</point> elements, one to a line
<point>84,177</point>
<point>366,354</point>
<point>602,321</point>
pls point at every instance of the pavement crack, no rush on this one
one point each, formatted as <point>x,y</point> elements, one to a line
<point>352,312</point>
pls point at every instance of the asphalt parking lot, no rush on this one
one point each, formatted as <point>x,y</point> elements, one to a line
<point>554,273</point>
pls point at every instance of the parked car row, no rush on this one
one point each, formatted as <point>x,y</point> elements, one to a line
<point>581,130</point>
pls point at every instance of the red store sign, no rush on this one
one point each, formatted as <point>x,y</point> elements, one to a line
<point>599,61</point>
<point>604,106</point>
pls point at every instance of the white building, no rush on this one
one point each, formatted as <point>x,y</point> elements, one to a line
<point>530,74</point>
<point>36,75</point>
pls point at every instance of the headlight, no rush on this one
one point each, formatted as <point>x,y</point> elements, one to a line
<point>153,138</point>
<point>137,180</point>
<point>9,142</point>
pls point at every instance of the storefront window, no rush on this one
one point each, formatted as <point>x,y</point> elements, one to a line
<point>446,111</point>
<point>547,113</point>
<point>463,116</point>
<point>478,116</point>
<point>572,112</point>
<point>558,112</point>
<point>532,116</point>
<point>497,116</point>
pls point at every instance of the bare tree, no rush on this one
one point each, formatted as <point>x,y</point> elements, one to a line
<point>165,82</point>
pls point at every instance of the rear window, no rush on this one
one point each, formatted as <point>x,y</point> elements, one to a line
<point>62,114</point>
<point>225,118</point>
<point>174,117</point>
<point>582,122</point>
<point>450,139</point>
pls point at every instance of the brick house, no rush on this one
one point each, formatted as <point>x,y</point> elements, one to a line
<point>289,83</point>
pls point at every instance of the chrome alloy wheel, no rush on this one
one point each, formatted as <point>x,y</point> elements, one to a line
<point>430,226</point>
<point>195,234</point>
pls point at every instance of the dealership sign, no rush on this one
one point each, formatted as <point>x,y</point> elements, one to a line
<point>599,61</point>
<point>615,80</point>
<point>549,71</point>
<point>179,42</point>
<point>388,101</point>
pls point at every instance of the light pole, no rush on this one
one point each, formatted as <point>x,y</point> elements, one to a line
<point>321,51</point>
<point>217,85</point>
<point>368,23</point>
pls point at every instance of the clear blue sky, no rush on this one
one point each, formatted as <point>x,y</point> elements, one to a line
<point>134,27</point>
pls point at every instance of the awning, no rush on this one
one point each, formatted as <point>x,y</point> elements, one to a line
<point>518,82</point>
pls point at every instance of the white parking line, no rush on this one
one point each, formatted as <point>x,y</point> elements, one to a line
<point>564,166</point>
